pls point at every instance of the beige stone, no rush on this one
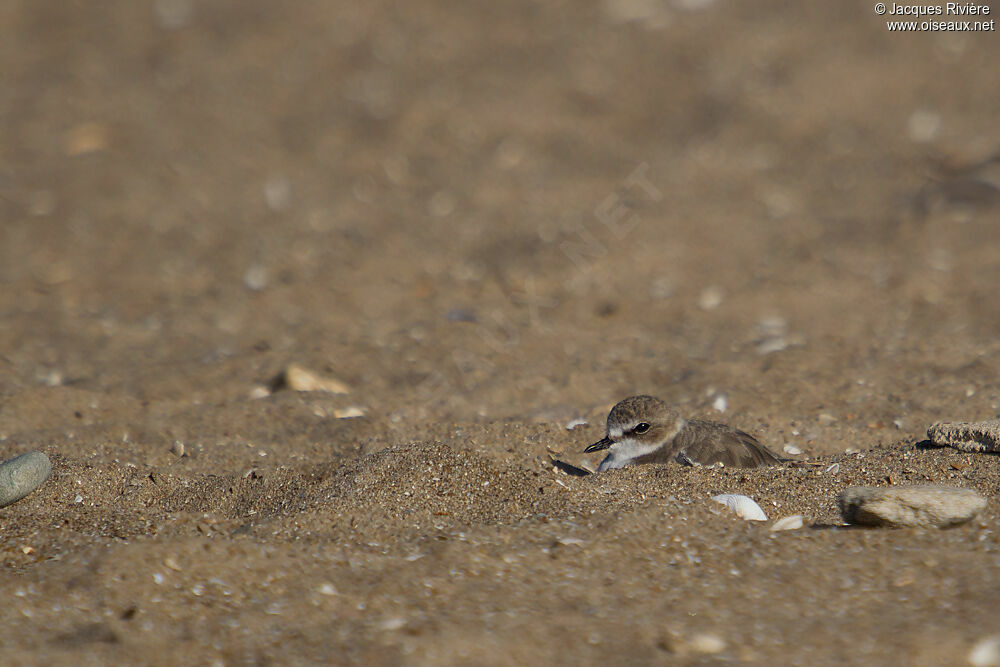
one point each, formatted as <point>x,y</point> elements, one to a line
<point>897,506</point>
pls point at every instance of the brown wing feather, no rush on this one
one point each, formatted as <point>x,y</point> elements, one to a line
<point>710,442</point>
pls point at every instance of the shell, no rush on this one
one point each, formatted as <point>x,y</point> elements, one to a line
<point>744,506</point>
<point>793,522</point>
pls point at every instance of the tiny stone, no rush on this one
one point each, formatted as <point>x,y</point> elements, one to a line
<point>707,644</point>
<point>710,298</point>
<point>923,125</point>
<point>461,315</point>
<point>967,436</point>
<point>277,193</point>
<point>298,378</point>
<point>986,652</point>
<point>394,623</point>
<point>792,450</point>
<point>441,204</point>
<point>21,475</point>
<point>662,288</point>
<point>258,392</point>
<point>924,505</point>
<point>255,277</point>
<point>41,203</point>
<point>89,137</point>
<point>52,379</point>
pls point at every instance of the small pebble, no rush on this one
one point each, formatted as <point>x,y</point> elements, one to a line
<point>986,652</point>
<point>923,125</point>
<point>461,315</point>
<point>710,298</point>
<point>278,192</point>
<point>792,450</point>
<point>21,475</point>
<point>441,204</point>
<point>349,412</point>
<point>258,392</point>
<point>393,623</point>
<point>298,378</point>
<point>967,436</point>
<point>255,277</point>
<point>89,137</point>
<point>923,505</point>
<point>707,644</point>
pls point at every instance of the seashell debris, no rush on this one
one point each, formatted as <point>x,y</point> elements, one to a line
<point>793,522</point>
<point>921,505</point>
<point>21,475</point>
<point>298,378</point>
<point>967,436</point>
<point>744,506</point>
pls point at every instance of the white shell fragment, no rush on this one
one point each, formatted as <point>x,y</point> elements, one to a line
<point>298,378</point>
<point>744,506</point>
<point>349,412</point>
<point>793,522</point>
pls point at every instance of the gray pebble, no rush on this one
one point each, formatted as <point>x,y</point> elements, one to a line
<point>967,436</point>
<point>21,475</point>
<point>894,506</point>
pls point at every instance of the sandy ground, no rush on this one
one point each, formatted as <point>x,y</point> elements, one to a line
<point>490,221</point>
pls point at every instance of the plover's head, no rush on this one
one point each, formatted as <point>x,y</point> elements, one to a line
<point>637,426</point>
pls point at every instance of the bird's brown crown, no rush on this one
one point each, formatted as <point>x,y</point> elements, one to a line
<point>637,409</point>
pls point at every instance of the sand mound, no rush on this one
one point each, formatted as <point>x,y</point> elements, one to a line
<point>419,481</point>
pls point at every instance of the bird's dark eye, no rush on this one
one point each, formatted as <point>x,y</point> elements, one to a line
<point>641,427</point>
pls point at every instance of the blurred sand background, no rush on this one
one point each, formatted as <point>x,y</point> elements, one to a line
<point>490,221</point>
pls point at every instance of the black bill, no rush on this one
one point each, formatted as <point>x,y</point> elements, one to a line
<point>603,443</point>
